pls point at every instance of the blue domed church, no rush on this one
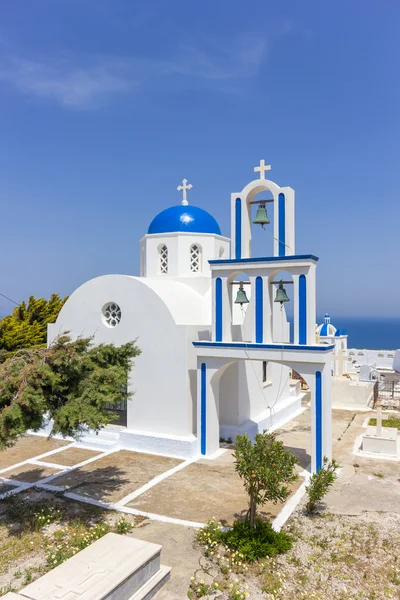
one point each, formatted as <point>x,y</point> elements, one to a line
<point>216,352</point>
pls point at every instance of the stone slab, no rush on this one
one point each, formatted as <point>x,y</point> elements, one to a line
<point>385,443</point>
<point>115,567</point>
<point>13,596</point>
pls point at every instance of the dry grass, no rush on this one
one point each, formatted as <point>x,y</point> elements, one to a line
<point>38,532</point>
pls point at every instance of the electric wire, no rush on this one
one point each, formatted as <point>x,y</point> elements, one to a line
<point>279,391</point>
<point>9,299</point>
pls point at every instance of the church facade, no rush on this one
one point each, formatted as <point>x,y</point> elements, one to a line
<point>217,351</point>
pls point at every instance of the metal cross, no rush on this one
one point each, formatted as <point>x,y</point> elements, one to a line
<point>262,168</point>
<point>182,188</point>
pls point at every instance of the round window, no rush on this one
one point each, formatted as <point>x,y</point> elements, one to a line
<point>111,314</point>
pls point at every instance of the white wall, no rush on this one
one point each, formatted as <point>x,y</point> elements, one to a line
<point>160,375</point>
<point>179,244</point>
<point>351,394</point>
<point>373,358</point>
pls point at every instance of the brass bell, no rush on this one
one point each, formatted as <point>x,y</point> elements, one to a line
<point>261,215</point>
<point>281,295</point>
<point>241,297</point>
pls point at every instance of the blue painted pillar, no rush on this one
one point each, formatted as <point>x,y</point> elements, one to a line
<point>259,311</point>
<point>282,227</point>
<point>203,408</point>
<point>318,420</point>
<point>302,309</point>
<point>238,228</point>
<point>218,309</point>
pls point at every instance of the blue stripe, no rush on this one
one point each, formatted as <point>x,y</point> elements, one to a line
<point>220,261</point>
<point>203,417</point>
<point>318,419</point>
<point>281,229</point>
<point>233,345</point>
<point>259,310</point>
<point>238,228</point>
<point>302,309</point>
<point>218,309</point>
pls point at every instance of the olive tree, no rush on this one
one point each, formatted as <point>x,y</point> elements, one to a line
<point>267,469</point>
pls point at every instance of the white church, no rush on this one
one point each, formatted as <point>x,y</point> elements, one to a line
<point>217,350</point>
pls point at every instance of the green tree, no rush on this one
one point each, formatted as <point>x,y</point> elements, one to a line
<point>26,326</point>
<point>70,382</point>
<point>266,469</point>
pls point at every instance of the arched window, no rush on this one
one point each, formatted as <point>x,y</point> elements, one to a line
<point>163,257</point>
<point>195,258</point>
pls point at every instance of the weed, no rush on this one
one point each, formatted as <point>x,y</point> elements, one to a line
<point>123,525</point>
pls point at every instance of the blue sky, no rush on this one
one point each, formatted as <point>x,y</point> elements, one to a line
<point>105,105</point>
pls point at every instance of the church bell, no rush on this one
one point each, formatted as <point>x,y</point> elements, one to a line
<point>241,297</point>
<point>281,295</point>
<point>261,216</point>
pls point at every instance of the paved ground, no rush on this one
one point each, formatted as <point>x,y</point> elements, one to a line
<point>29,447</point>
<point>112,477</point>
<point>201,491</point>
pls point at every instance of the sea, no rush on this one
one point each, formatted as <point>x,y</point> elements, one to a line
<point>369,332</point>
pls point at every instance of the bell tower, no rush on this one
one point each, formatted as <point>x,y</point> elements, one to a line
<point>262,333</point>
<point>241,203</point>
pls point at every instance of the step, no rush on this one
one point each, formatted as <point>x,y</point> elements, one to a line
<point>155,583</point>
<point>116,567</point>
<point>105,443</point>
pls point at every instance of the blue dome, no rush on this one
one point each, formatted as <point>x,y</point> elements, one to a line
<point>184,218</point>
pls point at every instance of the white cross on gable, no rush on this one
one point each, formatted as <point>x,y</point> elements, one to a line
<point>262,168</point>
<point>183,188</point>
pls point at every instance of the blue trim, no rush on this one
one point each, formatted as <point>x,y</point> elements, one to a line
<point>318,420</point>
<point>203,415</point>
<point>259,310</point>
<point>218,309</point>
<point>252,346</point>
<point>302,309</point>
<point>324,330</point>
<point>281,225</point>
<point>227,261</point>
<point>238,228</point>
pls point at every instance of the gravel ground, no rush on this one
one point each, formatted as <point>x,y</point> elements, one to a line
<point>334,557</point>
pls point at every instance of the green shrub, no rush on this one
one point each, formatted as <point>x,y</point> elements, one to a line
<point>252,543</point>
<point>320,483</point>
<point>256,542</point>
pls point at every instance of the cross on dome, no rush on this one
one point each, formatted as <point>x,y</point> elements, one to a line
<point>183,188</point>
<point>262,168</point>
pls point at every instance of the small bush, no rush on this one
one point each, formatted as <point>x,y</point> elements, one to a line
<point>256,542</point>
<point>320,483</point>
<point>252,543</point>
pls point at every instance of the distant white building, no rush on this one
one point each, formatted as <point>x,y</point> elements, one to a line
<point>211,365</point>
<point>329,334</point>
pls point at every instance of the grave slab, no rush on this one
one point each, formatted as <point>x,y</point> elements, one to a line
<point>115,567</point>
